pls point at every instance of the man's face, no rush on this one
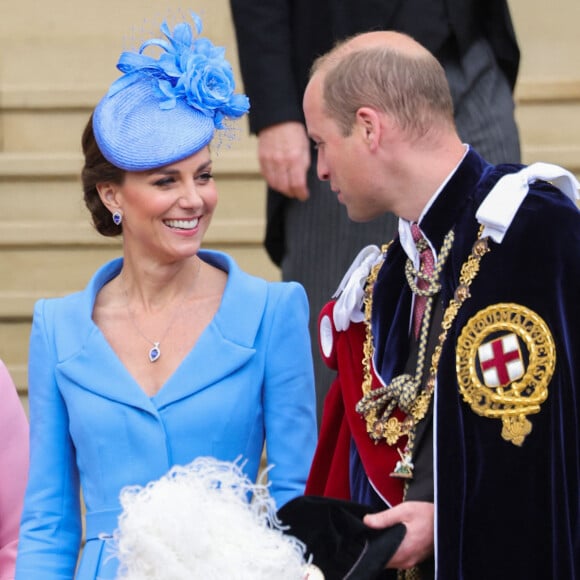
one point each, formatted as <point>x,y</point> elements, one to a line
<point>341,159</point>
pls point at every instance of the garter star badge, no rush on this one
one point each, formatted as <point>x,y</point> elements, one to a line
<point>505,359</point>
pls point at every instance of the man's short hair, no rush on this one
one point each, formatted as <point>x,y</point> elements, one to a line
<point>413,89</point>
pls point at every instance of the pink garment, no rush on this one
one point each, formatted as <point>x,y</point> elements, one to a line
<point>13,470</point>
<point>427,263</point>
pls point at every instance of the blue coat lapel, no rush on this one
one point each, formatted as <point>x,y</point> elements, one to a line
<point>225,345</point>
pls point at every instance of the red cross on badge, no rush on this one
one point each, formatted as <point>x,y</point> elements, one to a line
<point>501,361</point>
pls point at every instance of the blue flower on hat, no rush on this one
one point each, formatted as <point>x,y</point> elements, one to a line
<point>190,68</point>
<point>164,109</point>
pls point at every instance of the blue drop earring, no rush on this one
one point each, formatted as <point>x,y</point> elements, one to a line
<point>117,218</point>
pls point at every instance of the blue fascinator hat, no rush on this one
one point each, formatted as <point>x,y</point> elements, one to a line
<point>166,109</point>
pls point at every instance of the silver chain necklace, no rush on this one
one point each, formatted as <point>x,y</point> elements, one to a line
<point>155,350</point>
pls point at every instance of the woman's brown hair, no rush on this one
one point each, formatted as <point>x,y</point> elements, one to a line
<point>97,169</point>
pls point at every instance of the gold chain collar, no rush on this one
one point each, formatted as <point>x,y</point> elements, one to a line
<point>377,405</point>
<point>432,280</point>
<point>404,390</point>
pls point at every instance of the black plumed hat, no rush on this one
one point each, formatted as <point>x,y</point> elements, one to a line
<point>341,545</point>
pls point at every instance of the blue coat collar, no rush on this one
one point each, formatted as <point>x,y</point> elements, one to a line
<point>86,358</point>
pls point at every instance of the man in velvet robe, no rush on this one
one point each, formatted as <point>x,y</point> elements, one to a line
<point>495,457</point>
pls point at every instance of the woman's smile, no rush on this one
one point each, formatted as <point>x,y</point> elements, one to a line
<point>182,224</point>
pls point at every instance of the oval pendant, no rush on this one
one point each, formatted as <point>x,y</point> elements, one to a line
<point>155,352</point>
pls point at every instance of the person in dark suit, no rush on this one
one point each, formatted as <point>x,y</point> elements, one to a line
<point>308,234</point>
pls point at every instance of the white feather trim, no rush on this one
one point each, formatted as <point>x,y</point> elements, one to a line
<point>196,523</point>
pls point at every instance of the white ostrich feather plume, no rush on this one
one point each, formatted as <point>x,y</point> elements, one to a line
<point>196,523</point>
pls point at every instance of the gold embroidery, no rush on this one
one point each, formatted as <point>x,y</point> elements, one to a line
<point>404,391</point>
<point>515,394</point>
<point>416,403</point>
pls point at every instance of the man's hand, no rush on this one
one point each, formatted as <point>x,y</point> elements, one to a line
<point>418,543</point>
<point>284,155</point>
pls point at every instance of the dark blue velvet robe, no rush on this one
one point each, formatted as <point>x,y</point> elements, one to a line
<point>502,510</point>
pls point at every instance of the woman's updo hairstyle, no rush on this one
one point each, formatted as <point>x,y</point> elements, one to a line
<point>98,170</point>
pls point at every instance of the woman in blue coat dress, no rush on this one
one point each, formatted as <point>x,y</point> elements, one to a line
<point>171,352</point>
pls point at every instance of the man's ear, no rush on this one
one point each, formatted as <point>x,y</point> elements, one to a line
<point>368,124</point>
<point>108,192</point>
